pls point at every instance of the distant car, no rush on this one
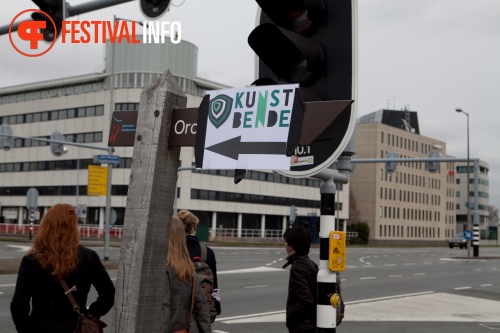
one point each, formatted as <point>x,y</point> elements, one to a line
<point>458,240</point>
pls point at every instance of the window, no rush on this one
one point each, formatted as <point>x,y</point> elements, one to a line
<point>90,111</point>
<point>63,114</point>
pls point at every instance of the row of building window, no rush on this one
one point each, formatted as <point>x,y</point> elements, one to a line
<point>404,143</point>
<point>126,106</point>
<point>485,208</point>
<point>80,112</point>
<point>142,80</point>
<point>198,194</point>
<point>410,179</point>
<point>480,194</point>
<point>409,214</point>
<point>56,165</point>
<point>73,89</point>
<point>124,80</point>
<point>411,231</point>
<point>268,177</point>
<point>480,181</point>
<point>463,169</point>
<point>410,196</point>
<point>90,137</point>
<point>69,190</point>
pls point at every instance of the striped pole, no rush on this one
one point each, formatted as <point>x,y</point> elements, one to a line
<point>475,240</point>
<point>475,230</point>
<point>326,313</point>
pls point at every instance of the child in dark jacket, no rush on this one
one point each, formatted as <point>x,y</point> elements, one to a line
<point>301,301</point>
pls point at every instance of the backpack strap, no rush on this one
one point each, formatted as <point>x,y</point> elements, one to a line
<point>203,252</point>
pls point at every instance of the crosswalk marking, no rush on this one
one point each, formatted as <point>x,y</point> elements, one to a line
<point>427,306</point>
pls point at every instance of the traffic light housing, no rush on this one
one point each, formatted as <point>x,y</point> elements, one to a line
<point>390,167</point>
<point>6,137</point>
<point>153,9</point>
<point>432,166</point>
<point>309,42</point>
<point>312,43</point>
<point>56,148</point>
<point>293,214</point>
<point>56,9</point>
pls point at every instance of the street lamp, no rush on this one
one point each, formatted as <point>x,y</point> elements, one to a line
<point>468,177</point>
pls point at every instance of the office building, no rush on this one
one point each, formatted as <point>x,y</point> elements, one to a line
<point>80,108</point>
<point>483,211</point>
<point>409,205</point>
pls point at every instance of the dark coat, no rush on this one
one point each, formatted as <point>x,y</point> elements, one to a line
<point>51,310</point>
<point>176,306</point>
<point>194,247</point>
<point>301,301</point>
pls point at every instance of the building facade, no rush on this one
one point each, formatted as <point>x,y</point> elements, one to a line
<point>409,205</point>
<point>80,108</point>
<point>483,211</point>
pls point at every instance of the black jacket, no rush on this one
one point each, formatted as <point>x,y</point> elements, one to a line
<point>301,301</point>
<point>194,247</point>
<point>50,309</point>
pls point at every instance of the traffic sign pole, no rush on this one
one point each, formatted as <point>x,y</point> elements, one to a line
<point>32,205</point>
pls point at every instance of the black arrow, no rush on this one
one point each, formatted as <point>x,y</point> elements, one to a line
<point>232,148</point>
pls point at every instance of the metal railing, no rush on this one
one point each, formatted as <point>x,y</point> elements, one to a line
<point>93,231</point>
<point>86,230</point>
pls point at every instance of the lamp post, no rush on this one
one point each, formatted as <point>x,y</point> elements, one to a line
<point>468,177</point>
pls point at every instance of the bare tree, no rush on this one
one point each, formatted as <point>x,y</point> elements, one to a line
<point>354,214</point>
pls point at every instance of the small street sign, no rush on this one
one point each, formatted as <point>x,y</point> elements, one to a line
<point>98,180</point>
<point>107,159</point>
<point>32,199</point>
<point>468,234</point>
<point>81,211</point>
<point>123,128</point>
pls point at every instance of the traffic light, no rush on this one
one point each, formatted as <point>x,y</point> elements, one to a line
<point>6,137</point>
<point>390,167</point>
<point>153,9</point>
<point>293,214</point>
<point>433,167</point>
<point>56,148</point>
<point>309,42</point>
<point>56,9</point>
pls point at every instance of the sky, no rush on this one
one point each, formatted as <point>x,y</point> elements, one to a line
<point>430,56</point>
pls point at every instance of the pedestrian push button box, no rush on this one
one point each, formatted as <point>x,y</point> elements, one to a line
<point>336,255</point>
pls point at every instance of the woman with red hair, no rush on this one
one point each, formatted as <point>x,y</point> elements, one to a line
<point>39,303</point>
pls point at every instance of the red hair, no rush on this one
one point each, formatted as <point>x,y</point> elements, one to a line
<point>56,243</point>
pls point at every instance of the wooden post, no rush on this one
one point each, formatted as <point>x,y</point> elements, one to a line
<point>141,275</point>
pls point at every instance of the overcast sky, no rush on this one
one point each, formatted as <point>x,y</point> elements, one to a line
<point>432,56</point>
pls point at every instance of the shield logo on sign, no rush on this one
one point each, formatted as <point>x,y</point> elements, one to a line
<point>219,109</point>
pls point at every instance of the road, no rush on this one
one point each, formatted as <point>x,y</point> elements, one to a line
<point>385,289</point>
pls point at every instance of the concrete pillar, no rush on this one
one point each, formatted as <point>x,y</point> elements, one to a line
<point>240,223</point>
<point>214,221</point>
<point>263,226</point>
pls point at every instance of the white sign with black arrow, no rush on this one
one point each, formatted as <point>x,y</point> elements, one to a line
<point>246,128</point>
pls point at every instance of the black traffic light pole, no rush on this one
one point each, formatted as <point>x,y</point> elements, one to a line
<point>76,10</point>
<point>327,280</point>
